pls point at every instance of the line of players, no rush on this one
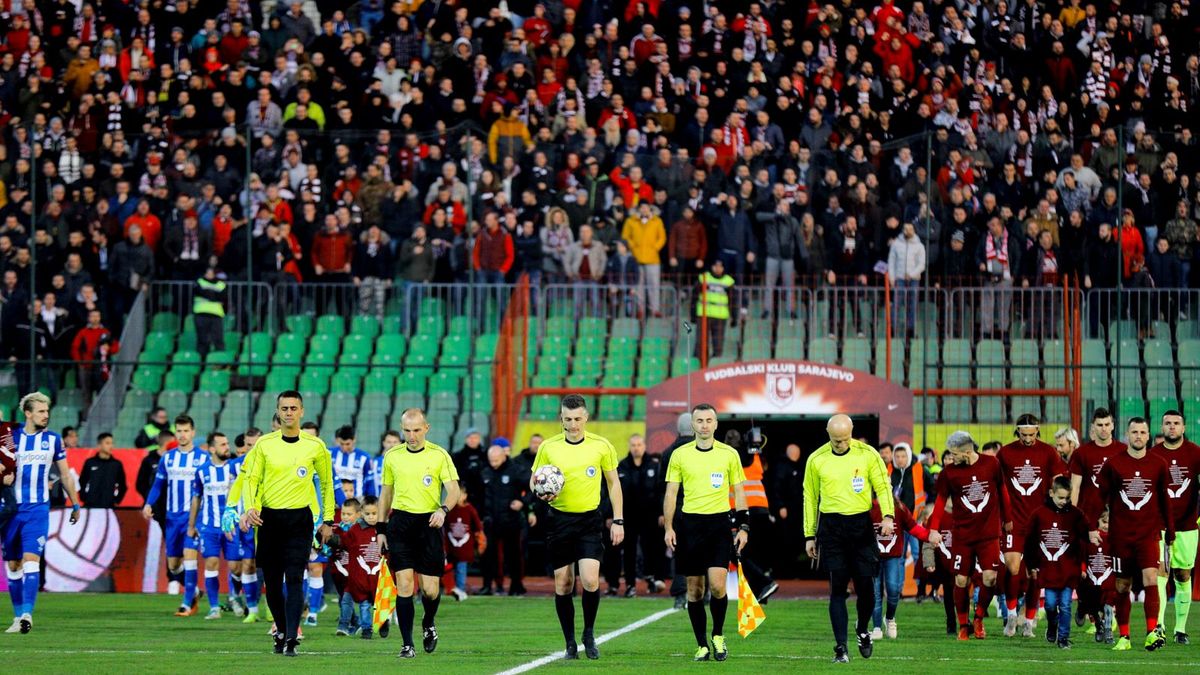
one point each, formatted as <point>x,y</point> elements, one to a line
<point>1019,521</point>
<point>197,484</point>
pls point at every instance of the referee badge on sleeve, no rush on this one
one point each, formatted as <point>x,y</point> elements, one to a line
<point>718,479</point>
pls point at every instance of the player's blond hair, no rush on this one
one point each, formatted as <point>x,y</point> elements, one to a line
<point>30,400</point>
<point>1069,434</point>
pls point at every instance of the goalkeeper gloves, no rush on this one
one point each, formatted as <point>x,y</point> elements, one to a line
<point>229,520</point>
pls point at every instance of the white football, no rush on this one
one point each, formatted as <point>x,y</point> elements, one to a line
<point>548,481</point>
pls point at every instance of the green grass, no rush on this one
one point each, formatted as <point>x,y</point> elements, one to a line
<point>124,634</point>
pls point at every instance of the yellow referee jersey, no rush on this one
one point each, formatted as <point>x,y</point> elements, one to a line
<point>279,474</point>
<point>582,465</point>
<point>416,478</point>
<point>705,476</point>
<point>843,484</point>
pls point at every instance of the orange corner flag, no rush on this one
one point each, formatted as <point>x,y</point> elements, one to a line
<point>385,596</point>
<point>750,613</point>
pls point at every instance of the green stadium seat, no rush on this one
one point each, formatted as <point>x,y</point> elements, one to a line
<point>1159,406</point>
<point>299,324</point>
<point>658,327</point>
<point>182,379</point>
<point>791,328</point>
<point>356,353</point>
<point>956,352</point>
<point>220,359</point>
<point>380,381</point>
<point>281,378</point>
<point>365,325</point>
<point>990,365</point>
<point>1159,354</point>
<point>614,407</point>
<point>389,350</point>
<point>560,327</point>
<point>881,366</point>
<point>956,409</point>
<point>1132,407</point>
<point>456,351</point>
<point>583,380</point>
<point>485,347</point>
<point>543,407</point>
<point>376,404</point>
<point>291,346</point>
<point>628,328</point>
<point>1191,408</point>
<point>1160,383</point>
<point>650,377</point>
<point>856,353</point>
<point>622,348</point>
<point>823,350</point>
<point>416,379</point>
<point>331,324</point>
<point>346,382</point>
<point>588,366</point>
<point>165,322</point>
<point>339,409</point>
<point>215,381</point>
<point>149,378</point>
<point>403,401</point>
<point>314,381</point>
<point>591,347</point>
<point>422,350</point>
<point>790,348</point>
<point>1058,409</point>
<point>174,401</point>
<point>990,409</point>
<point>323,349</point>
<point>1025,353</point>
<point>204,406</point>
<point>756,349</point>
<point>683,365</point>
<point>445,381</point>
<point>549,379</point>
<point>592,327</point>
<point>186,359</point>
<point>462,325</point>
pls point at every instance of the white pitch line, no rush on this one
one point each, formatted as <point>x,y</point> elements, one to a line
<point>551,658</point>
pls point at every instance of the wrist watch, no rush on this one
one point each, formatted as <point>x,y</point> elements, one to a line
<point>444,509</point>
<point>329,523</point>
<point>619,521</point>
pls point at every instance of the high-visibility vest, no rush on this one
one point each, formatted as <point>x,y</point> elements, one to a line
<point>756,492</point>
<point>918,479</point>
<point>207,298</point>
<point>713,301</point>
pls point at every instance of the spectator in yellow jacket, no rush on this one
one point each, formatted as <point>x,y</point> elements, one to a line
<point>509,136</point>
<point>646,234</point>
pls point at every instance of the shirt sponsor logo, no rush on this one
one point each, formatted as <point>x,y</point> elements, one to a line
<point>504,479</point>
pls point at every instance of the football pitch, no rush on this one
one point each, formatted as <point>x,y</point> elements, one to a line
<point>123,634</point>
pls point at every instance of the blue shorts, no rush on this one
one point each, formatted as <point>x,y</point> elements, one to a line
<point>247,544</point>
<point>213,544</point>
<point>176,537</point>
<point>315,556</point>
<point>26,531</point>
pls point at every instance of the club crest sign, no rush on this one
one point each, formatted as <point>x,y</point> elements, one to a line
<point>781,388</point>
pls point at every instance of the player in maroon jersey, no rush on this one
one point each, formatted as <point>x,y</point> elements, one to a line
<point>1055,537</point>
<point>891,558</point>
<point>1133,485</point>
<point>1098,590</point>
<point>1089,457</point>
<point>1182,458</point>
<point>1030,465</point>
<point>975,483</point>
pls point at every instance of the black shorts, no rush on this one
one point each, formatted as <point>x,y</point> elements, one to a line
<point>285,539</point>
<point>413,544</point>
<point>574,536</point>
<point>847,543</point>
<point>705,540</point>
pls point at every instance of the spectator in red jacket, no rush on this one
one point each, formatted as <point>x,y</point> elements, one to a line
<point>633,189</point>
<point>93,349</point>
<point>493,254</point>
<point>332,250</point>
<point>625,117</point>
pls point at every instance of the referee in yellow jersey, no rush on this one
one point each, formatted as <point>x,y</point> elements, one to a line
<point>279,495</point>
<point>706,468</point>
<point>575,532</point>
<point>413,478</point>
<point>838,481</point>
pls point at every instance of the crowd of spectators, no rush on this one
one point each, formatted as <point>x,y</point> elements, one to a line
<point>589,141</point>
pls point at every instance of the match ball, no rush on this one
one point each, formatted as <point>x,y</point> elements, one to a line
<point>548,481</point>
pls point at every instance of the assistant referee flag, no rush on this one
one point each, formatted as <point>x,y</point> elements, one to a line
<point>750,613</point>
<point>385,595</point>
<point>843,484</point>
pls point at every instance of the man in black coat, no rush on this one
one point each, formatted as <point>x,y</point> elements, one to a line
<point>506,504</point>
<point>643,523</point>
<point>470,461</point>
<point>102,481</point>
<point>786,480</point>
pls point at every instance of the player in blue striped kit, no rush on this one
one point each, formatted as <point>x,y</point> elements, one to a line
<point>210,490</point>
<point>353,465</point>
<point>391,438</point>
<point>243,577</point>
<point>25,535</point>
<point>176,474</point>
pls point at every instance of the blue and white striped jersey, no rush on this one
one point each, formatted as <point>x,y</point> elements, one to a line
<point>354,466</point>
<point>36,452</point>
<point>176,473</point>
<point>212,484</point>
